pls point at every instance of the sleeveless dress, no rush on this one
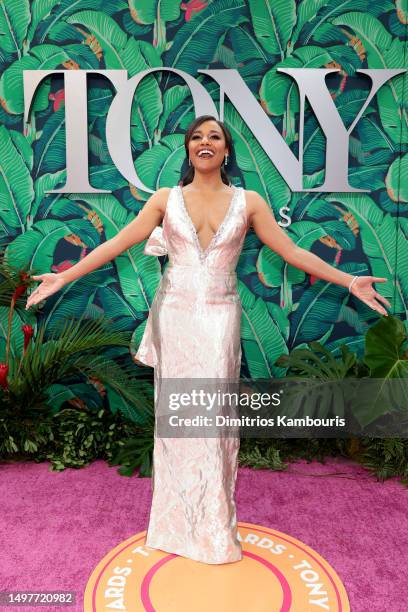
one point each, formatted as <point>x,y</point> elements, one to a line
<point>193,331</point>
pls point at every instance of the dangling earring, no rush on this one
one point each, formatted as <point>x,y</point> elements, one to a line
<point>189,161</point>
<point>225,160</point>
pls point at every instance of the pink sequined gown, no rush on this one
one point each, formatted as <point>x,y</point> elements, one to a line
<point>193,331</point>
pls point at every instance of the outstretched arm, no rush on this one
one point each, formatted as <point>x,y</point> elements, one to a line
<point>269,231</point>
<point>136,231</point>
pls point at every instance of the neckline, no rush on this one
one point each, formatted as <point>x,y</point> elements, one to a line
<point>215,236</point>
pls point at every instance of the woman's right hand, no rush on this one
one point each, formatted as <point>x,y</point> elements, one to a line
<point>51,283</point>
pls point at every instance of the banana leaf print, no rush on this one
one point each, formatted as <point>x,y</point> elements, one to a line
<point>283,307</point>
<point>14,20</point>
<point>380,234</point>
<point>383,51</point>
<point>17,338</point>
<point>273,23</point>
<point>16,185</point>
<point>396,180</point>
<point>199,38</point>
<point>262,339</point>
<point>156,13</point>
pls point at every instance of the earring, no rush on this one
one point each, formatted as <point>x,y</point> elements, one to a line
<point>225,160</point>
<point>189,161</point>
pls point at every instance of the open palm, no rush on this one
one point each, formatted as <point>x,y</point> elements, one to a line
<point>363,289</point>
<point>51,283</point>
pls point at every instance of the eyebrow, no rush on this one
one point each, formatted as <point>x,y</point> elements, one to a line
<point>200,132</point>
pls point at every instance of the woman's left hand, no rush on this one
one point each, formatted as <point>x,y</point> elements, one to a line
<point>362,288</point>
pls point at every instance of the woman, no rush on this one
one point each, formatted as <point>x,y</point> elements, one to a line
<point>193,330</point>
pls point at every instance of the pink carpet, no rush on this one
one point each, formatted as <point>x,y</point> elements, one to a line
<point>55,527</point>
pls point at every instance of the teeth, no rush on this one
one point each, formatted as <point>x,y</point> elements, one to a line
<point>205,151</point>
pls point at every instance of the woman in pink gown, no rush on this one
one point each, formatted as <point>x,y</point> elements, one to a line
<point>193,330</point>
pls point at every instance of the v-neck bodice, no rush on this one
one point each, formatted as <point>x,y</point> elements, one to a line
<point>219,229</point>
<point>183,245</point>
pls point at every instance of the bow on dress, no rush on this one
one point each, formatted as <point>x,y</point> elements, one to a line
<point>156,244</point>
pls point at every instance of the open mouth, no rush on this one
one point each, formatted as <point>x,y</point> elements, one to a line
<point>205,154</point>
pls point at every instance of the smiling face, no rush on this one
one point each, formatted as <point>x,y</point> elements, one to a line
<point>207,146</point>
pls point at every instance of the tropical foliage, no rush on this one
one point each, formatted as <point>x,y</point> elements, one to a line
<point>39,375</point>
<point>283,308</point>
<point>368,391</point>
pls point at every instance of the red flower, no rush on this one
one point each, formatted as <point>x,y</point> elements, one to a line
<point>3,375</point>
<point>28,334</point>
<point>64,265</point>
<point>192,7</point>
<point>338,256</point>
<point>19,291</point>
<point>21,288</point>
<point>58,98</point>
<point>313,279</point>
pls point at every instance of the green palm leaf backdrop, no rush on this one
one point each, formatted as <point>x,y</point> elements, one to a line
<point>283,307</point>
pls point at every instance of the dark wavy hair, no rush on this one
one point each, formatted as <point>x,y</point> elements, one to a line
<point>189,175</point>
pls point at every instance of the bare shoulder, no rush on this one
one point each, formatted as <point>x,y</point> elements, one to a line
<point>253,198</point>
<point>254,203</point>
<point>158,200</point>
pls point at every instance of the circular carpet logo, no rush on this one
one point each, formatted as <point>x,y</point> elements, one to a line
<point>277,573</point>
